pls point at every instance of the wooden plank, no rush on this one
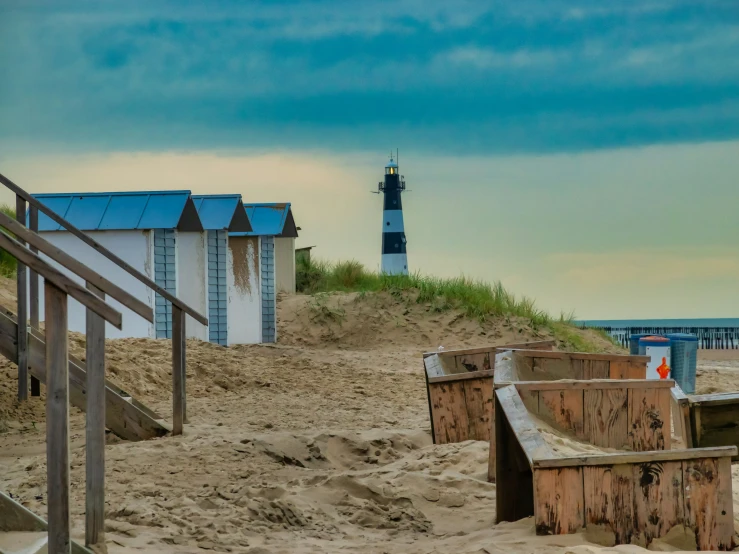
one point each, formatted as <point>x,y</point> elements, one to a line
<point>60,280</point>
<point>716,399</point>
<point>634,457</point>
<point>473,362</point>
<point>95,427</point>
<point>609,500</point>
<point>123,418</point>
<point>505,370</point>
<point>595,384</point>
<point>433,366</point>
<point>57,419</point>
<point>681,415</point>
<point>533,345</point>
<point>178,382</point>
<point>716,425</point>
<point>618,369</point>
<point>493,445</point>
<point>22,303</point>
<point>649,419</point>
<point>514,497</point>
<point>462,377</point>
<point>576,355</point>
<point>104,251</point>
<point>637,369</point>
<point>479,400</point>
<point>33,292</point>
<point>448,404</point>
<point>607,423</point>
<point>548,369</point>
<point>564,408</point>
<point>708,502</point>
<point>431,410</point>
<point>596,369</point>
<point>658,499</point>
<point>530,399</point>
<point>558,501</point>
<point>524,429</point>
<point>76,267</point>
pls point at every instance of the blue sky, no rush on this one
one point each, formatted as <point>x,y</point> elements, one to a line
<point>552,117</point>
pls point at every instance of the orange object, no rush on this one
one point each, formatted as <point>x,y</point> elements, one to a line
<point>663,369</point>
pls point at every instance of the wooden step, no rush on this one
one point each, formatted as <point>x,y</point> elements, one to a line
<point>129,419</point>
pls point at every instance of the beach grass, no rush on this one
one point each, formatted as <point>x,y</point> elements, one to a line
<point>476,299</point>
<point>7,262</point>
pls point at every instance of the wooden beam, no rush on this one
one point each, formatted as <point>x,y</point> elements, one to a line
<point>61,281</point>
<point>575,355</point>
<point>178,382</point>
<point>574,384</point>
<point>84,237</point>
<point>524,429</point>
<point>95,427</point>
<point>57,419</point>
<point>636,457</point>
<point>33,293</point>
<point>543,344</point>
<point>77,267</point>
<point>461,376</point>
<point>715,399</point>
<point>22,298</point>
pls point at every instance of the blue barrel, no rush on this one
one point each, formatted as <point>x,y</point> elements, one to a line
<point>634,342</point>
<point>684,354</point>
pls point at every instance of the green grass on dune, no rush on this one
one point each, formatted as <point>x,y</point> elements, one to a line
<point>7,262</point>
<point>476,299</point>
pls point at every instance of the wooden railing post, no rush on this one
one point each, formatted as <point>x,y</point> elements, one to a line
<point>33,292</point>
<point>22,338</point>
<point>57,419</point>
<point>95,427</point>
<point>178,370</point>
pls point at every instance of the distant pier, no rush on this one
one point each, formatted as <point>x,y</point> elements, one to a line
<point>709,338</point>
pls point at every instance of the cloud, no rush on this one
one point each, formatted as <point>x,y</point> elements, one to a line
<point>495,77</point>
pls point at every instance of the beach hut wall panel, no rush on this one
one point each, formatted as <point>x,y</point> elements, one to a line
<point>220,214</point>
<point>244,292</point>
<point>277,220</point>
<point>147,230</point>
<point>269,295</point>
<point>192,272</point>
<point>285,264</point>
<point>135,248</point>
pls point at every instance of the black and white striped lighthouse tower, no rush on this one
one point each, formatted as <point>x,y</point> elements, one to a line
<point>394,257</point>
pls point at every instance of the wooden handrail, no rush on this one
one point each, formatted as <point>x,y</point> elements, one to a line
<point>84,237</point>
<point>77,267</point>
<point>61,281</point>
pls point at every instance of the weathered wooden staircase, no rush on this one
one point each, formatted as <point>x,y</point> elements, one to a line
<point>44,356</point>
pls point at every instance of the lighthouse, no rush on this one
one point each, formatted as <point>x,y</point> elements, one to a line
<point>394,257</point>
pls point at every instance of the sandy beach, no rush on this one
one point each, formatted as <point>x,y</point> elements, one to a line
<point>320,443</point>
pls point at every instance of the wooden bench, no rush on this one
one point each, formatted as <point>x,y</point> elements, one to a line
<point>459,386</point>
<point>632,497</point>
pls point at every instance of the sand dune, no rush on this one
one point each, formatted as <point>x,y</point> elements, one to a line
<point>318,444</point>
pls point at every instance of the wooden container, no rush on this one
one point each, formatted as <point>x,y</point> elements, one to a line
<point>632,497</point>
<point>707,419</point>
<point>459,385</point>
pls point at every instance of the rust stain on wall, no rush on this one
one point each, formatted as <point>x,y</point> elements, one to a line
<point>244,251</point>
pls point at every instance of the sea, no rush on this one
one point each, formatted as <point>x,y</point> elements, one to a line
<point>712,333</point>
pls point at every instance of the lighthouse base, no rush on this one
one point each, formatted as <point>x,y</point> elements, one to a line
<point>395,264</point>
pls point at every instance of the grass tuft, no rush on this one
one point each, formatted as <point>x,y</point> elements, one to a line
<point>7,262</point>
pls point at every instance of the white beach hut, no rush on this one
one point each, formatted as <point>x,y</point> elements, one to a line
<point>158,233</point>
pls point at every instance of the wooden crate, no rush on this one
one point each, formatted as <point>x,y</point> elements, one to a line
<point>632,497</point>
<point>708,419</point>
<point>459,385</point>
<point>561,369</point>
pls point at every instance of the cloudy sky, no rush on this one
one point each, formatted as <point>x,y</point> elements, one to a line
<point>586,153</point>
